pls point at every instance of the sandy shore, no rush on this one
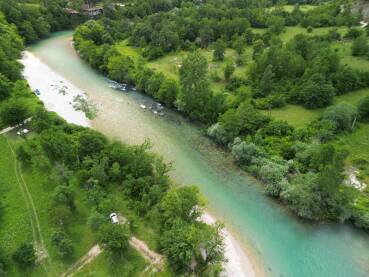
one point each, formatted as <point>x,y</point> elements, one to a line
<point>56,93</point>
<point>238,264</point>
<point>49,83</point>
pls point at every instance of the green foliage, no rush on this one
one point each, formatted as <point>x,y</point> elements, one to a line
<point>5,87</point>
<point>63,243</point>
<point>168,92</point>
<point>14,111</point>
<point>193,248</point>
<point>25,255</point>
<point>228,71</point>
<point>316,92</point>
<point>276,24</point>
<point>244,120</point>
<point>360,46</point>
<point>182,204</point>
<point>195,97</point>
<point>342,116</point>
<point>320,195</point>
<point>63,195</point>
<point>120,68</point>
<point>363,108</point>
<point>244,152</point>
<point>219,49</point>
<point>96,220</point>
<point>114,237</point>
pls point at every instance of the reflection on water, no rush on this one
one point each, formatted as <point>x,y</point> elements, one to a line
<point>287,246</point>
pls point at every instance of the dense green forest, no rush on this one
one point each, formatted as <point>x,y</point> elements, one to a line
<point>231,65</point>
<point>74,177</point>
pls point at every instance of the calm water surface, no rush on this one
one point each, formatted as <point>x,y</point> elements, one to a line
<point>284,245</point>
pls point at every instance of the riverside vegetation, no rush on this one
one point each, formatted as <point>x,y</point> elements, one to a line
<point>59,184</point>
<point>275,85</point>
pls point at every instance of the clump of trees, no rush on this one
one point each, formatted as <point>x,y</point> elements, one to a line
<point>305,71</point>
<point>191,246</point>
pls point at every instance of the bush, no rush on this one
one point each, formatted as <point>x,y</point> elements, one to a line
<point>360,46</point>
<point>95,220</point>
<point>5,87</point>
<point>346,79</point>
<point>218,133</point>
<point>316,92</point>
<point>14,111</point>
<point>363,108</point>
<point>270,102</point>
<point>277,128</point>
<point>63,243</point>
<point>341,115</point>
<point>114,237</point>
<point>353,33</point>
<point>228,71</point>
<point>25,255</point>
<point>168,92</point>
<point>274,176</point>
<point>244,152</point>
<point>152,53</point>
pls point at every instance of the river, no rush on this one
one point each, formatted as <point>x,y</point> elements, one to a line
<point>279,244</point>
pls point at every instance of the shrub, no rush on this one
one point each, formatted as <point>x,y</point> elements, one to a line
<point>341,115</point>
<point>277,128</point>
<point>360,46</point>
<point>218,133</point>
<point>14,111</point>
<point>63,243</point>
<point>25,255</point>
<point>353,33</point>
<point>363,108</point>
<point>274,176</point>
<point>114,237</point>
<point>244,152</point>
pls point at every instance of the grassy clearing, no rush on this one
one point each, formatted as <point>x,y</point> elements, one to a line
<point>15,224</point>
<point>352,97</point>
<point>297,116</point>
<point>357,143</point>
<point>344,51</point>
<point>290,32</point>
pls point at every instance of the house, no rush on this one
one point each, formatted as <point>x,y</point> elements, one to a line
<point>91,10</point>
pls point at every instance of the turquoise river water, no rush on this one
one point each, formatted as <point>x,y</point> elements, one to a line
<point>278,242</point>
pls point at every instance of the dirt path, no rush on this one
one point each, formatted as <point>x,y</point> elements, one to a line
<point>35,223</point>
<point>86,259</point>
<point>156,260</point>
